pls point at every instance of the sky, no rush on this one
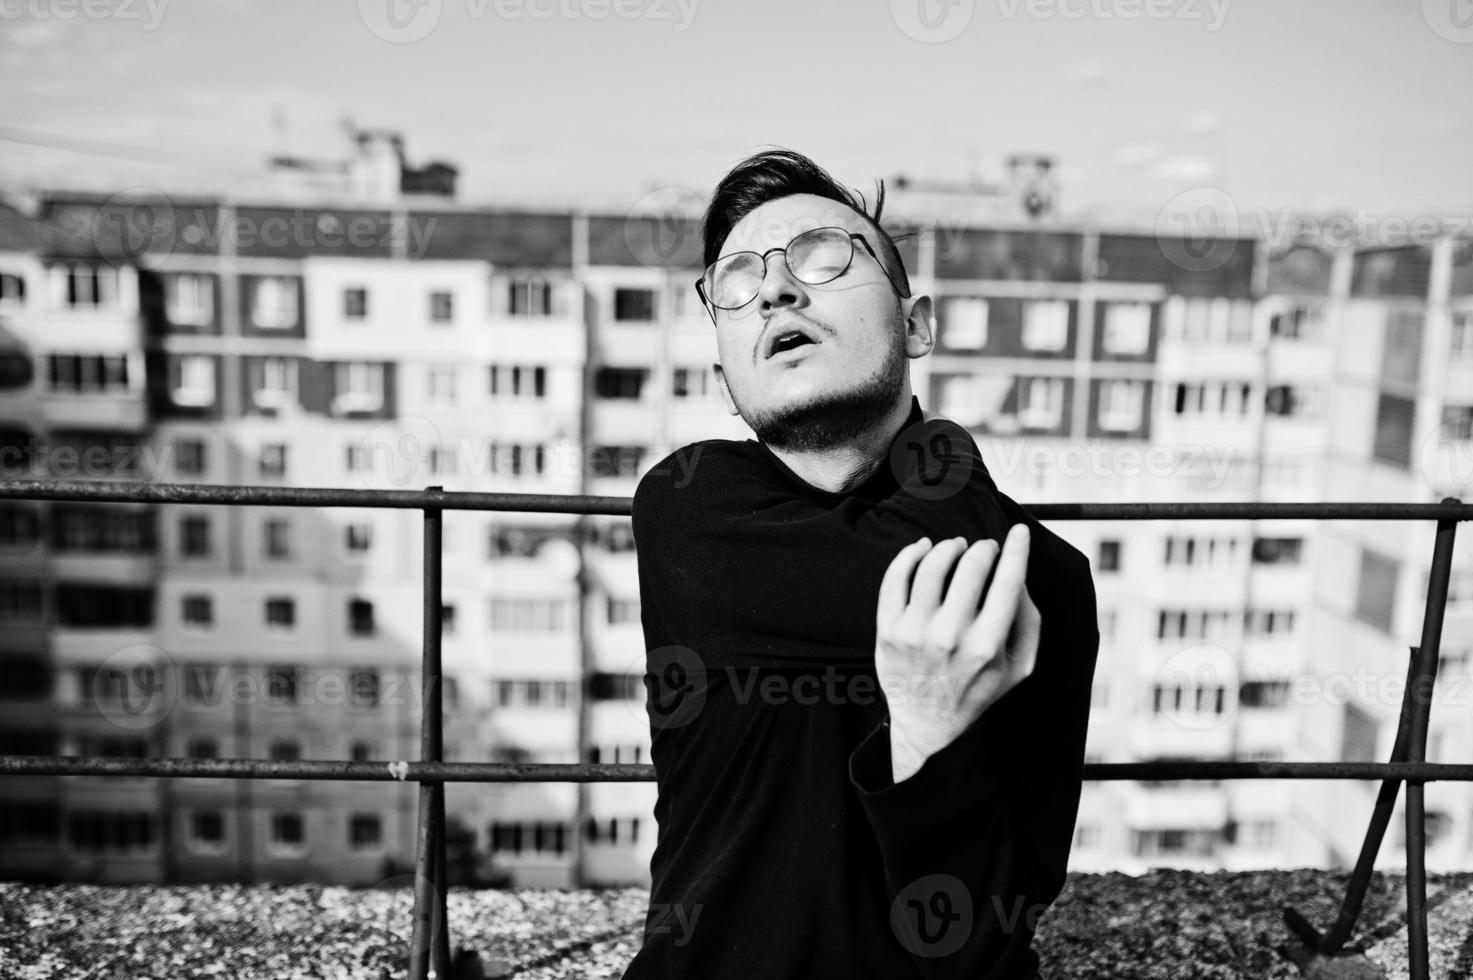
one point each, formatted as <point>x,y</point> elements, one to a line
<point>1306,104</point>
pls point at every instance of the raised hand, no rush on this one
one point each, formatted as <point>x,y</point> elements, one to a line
<point>941,662</point>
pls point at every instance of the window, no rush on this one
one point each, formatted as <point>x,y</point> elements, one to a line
<point>355,303</point>
<point>615,382</point>
<point>281,684</point>
<point>1086,836</point>
<point>1109,555</point>
<point>1288,401</point>
<point>1376,594</point>
<point>189,299</point>
<point>272,381</point>
<point>274,303</point>
<point>517,381</point>
<point>12,289</point>
<point>1040,402</point>
<point>517,541</point>
<point>88,373</point>
<point>198,611</point>
<point>359,537</point>
<point>357,458</point>
<point>1121,405</point>
<point>1395,418</point>
<point>517,460</point>
<point>1127,328</point>
<point>364,831</point>
<point>634,304</point>
<point>1045,325</point>
<point>281,613</point>
<point>447,617</point>
<point>1460,344</point>
<point>1264,694</point>
<point>528,615</point>
<point>616,461</point>
<point>192,380</point>
<point>360,387</point>
<point>1268,622</point>
<point>285,750</point>
<point>20,526</point>
<point>1261,834</point>
<point>203,747</point>
<point>207,827</point>
<point>81,286</point>
<point>287,831</point>
<point>189,457</point>
<point>442,307</point>
<point>1193,624</point>
<point>1277,551</point>
<point>277,534</point>
<point>360,617</point>
<point>440,385</point>
<point>1213,399</point>
<point>1299,323</point>
<point>964,324</point>
<point>361,752</point>
<point>82,527</point>
<point>690,383</point>
<point>20,600</point>
<point>273,460</point>
<point>16,370</point>
<point>529,297</point>
<point>363,686</point>
<point>111,831</point>
<point>623,611</point>
<point>194,536</point>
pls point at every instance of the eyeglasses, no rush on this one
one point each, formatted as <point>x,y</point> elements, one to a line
<point>813,257</point>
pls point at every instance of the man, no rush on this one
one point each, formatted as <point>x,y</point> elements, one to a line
<point>859,774</point>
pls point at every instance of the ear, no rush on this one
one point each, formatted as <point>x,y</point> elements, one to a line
<point>920,326</point>
<point>725,391</point>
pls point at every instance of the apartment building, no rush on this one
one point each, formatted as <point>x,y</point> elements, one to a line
<point>419,344</point>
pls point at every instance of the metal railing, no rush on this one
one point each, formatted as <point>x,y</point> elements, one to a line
<point>430,947</point>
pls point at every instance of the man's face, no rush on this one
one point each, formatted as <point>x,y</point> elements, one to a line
<point>852,369</point>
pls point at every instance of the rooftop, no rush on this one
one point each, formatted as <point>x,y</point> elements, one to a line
<point>1167,924</point>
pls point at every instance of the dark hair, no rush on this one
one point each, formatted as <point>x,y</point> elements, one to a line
<point>772,174</point>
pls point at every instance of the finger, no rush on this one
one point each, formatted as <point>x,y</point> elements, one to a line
<point>965,590</point>
<point>989,633</point>
<point>925,591</point>
<point>895,586</point>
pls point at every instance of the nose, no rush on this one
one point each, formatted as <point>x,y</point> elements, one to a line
<point>779,287</point>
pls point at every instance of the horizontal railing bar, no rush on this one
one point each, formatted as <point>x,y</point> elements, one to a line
<point>231,495</point>
<point>511,772</point>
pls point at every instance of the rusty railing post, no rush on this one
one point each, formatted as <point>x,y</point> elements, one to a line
<point>429,949</point>
<point>1416,833</point>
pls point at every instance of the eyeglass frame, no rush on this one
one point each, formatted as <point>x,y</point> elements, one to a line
<point>711,307</point>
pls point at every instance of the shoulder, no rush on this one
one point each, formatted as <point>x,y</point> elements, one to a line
<point>694,471</point>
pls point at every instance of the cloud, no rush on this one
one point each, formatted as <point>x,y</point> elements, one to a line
<point>1086,72</point>
<point>1138,153</point>
<point>1185,168</point>
<point>1201,121</point>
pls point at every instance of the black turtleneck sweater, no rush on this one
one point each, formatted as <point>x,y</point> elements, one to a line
<point>785,848</point>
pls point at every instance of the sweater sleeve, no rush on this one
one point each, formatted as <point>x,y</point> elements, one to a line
<point>975,843</point>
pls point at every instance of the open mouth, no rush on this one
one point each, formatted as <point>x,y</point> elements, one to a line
<point>788,340</point>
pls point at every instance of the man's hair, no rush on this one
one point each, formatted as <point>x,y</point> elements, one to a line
<point>772,174</point>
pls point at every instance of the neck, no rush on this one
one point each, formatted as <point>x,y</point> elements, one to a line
<point>847,464</point>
